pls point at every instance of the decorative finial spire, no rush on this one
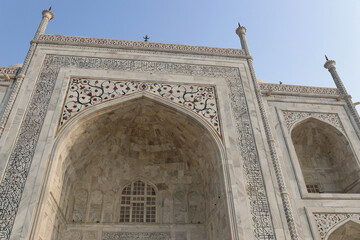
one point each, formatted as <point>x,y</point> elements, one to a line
<point>239,24</point>
<point>146,38</point>
<point>326,58</point>
<point>50,8</point>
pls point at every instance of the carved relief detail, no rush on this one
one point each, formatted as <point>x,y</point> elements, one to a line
<point>103,42</point>
<point>298,89</point>
<point>84,93</point>
<point>17,169</point>
<point>135,236</point>
<point>327,221</point>
<point>263,228</point>
<point>292,117</point>
<point>11,71</point>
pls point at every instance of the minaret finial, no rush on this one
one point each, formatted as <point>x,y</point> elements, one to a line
<point>239,24</point>
<point>50,8</point>
<point>326,58</point>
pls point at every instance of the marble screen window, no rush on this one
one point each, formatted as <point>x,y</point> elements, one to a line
<point>138,203</point>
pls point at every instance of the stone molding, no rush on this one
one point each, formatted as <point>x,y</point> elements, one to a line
<point>293,117</point>
<point>135,236</point>
<point>11,71</point>
<point>85,93</point>
<point>295,89</point>
<point>327,221</point>
<point>103,42</point>
<point>18,166</point>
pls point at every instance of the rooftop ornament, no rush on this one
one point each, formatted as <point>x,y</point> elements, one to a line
<point>146,38</point>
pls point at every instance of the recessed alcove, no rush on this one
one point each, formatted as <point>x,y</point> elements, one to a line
<point>327,161</point>
<point>350,230</point>
<point>139,167</point>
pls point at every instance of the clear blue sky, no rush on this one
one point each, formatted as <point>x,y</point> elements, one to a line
<point>288,39</point>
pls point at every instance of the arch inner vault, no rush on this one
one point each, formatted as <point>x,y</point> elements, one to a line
<point>140,170</point>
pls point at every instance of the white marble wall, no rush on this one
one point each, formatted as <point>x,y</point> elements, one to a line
<point>308,206</point>
<point>236,210</point>
<point>235,200</point>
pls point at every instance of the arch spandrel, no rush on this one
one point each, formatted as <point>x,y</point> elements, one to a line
<point>294,118</point>
<point>85,93</point>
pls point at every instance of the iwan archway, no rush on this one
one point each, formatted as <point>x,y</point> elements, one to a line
<point>135,169</point>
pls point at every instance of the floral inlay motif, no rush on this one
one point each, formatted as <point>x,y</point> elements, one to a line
<point>292,117</point>
<point>84,93</point>
<point>326,221</point>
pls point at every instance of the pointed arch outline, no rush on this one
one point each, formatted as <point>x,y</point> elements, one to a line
<point>309,118</point>
<point>142,88</point>
<point>335,130</point>
<point>339,225</point>
<point>108,106</point>
<point>328,124</point>
<point>142,179</point>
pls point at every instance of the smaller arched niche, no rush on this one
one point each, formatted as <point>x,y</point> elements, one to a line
<point>327,161</point>
<point>347,231</point>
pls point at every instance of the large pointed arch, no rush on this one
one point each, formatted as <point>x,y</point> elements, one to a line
<point>66,166</point>
<point>326,157</point>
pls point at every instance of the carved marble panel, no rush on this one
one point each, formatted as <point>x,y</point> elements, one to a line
<point>327,221</point>
<point>135,236</point>
<point>261,218</point>
<point>84,93</point>
<point>291,89</point>
<point>103,42</point>
<point>292,117</point>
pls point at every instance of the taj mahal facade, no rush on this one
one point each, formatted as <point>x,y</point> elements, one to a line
<point>104,139</point>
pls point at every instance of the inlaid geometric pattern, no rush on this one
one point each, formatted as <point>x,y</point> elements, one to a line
<point>326,221</point>
<point>84,93</point>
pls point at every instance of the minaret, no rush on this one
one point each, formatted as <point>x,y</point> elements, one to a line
<point>241,32</point>
<point>330,65</point>
<point>47,15</point>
